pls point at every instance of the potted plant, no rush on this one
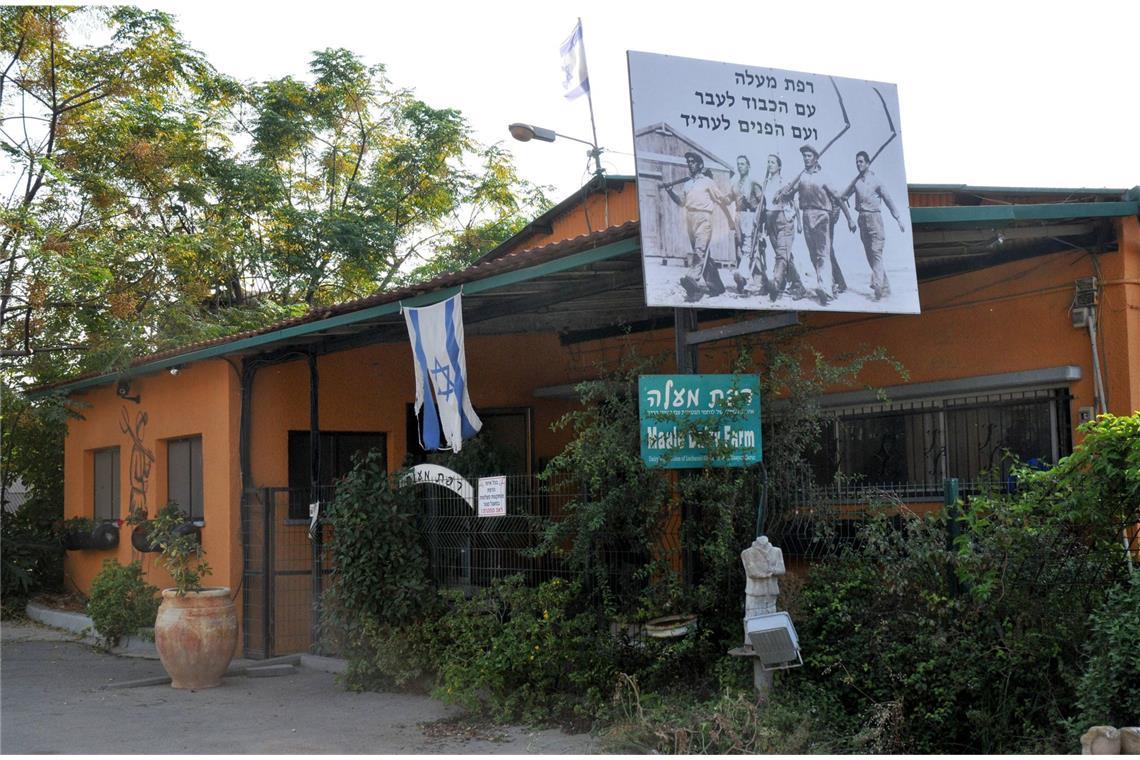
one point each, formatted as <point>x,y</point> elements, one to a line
<point>195,631</point>
<point>82,533</point>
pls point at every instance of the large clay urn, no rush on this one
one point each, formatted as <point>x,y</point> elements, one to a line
<point>195,635</point>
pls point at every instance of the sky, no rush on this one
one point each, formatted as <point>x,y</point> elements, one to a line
<point>996,93</point>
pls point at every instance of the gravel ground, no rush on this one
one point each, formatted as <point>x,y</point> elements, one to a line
<point>59,695</point>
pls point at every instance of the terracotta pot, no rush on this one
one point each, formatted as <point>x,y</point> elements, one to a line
<point>196,635</point>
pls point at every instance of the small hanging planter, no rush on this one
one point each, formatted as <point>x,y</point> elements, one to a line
<point>73,540</point>
<point>140,539</point>
<point>140,536</point>
<point>88,536</point>
<point>671,626</point>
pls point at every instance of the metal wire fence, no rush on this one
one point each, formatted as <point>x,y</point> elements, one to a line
<point>815,522</point>
<point>286,568</point>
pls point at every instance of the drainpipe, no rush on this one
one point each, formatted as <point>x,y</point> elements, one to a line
<point>1098,382</point>
<point>314,493</point>
<point>245,435</point>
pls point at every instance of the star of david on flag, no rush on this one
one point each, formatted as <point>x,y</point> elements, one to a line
<point>436,333</point>
<point>575,80</point>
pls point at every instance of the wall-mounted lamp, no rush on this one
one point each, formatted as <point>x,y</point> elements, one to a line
<point>123,390</point>
<point>527,132</point>
<point>176,369</point>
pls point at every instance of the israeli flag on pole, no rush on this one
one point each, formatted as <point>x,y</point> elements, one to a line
<point>575,80</point>
<point>436,333</point>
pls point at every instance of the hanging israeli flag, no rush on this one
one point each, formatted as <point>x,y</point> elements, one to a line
<point>436,333</point>
<point>575,80</point>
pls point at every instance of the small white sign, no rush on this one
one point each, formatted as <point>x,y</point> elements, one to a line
<point>493,496</point>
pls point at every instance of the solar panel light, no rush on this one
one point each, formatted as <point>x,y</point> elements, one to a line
<point>774,640</point>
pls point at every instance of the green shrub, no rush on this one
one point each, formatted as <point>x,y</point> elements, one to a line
<point>121,602</point>
<point>524,653</point>
<point>377,550</point>
<point>976,645</point>
<point>1109,689</point>
<point>376,609</point>
<point>30,556</point>
<point>609,532</point>
<point>31,450</point>
<point>381,657</point>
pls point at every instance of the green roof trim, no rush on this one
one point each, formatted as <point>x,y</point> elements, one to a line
<point>253,342</point>
<point>1021,212</point>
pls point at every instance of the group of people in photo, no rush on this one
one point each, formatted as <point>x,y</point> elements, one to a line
<point>767,213</point>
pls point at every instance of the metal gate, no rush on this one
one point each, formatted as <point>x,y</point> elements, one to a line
<point>283,573</point>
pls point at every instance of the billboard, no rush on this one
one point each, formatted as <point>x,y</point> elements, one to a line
<point>761,188</point>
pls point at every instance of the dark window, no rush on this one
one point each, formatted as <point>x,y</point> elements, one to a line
<point>184,475</point>
<point>506,431</point>
<point>336,460</point>
<point>107,484</point>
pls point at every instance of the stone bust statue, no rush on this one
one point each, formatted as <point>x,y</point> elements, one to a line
<point>763,562</point>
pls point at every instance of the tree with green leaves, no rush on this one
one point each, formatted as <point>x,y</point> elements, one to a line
<point>359,183</point>
<point>110,122</point>
<point>153,201</point>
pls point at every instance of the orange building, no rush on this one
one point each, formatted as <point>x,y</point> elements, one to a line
<point>1030,323</point>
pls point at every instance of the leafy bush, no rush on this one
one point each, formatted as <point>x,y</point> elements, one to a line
<point>381,595</point>
<point>381,656</point>
<point>608,534</point>
<point>121,602</point>
<point>1108,692</point>
<point>524,653</point>
<point>31,449</point>
<point>975,645</point>
<point>30,556</point>
<point>377,550</point>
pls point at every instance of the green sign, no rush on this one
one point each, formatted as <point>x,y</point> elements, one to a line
<point>685,417</point>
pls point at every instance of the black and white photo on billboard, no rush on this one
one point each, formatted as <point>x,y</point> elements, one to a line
<point>769,189</point>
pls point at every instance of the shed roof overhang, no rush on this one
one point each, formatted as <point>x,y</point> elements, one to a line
<point>590,285</point>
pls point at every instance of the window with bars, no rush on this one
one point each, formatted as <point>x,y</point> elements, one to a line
<point>921,443</point>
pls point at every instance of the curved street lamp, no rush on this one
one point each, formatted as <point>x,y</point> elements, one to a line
<point>527,132</point>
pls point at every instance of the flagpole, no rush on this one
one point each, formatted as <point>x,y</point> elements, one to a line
<point>596,152</point>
